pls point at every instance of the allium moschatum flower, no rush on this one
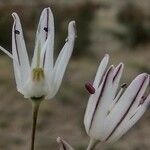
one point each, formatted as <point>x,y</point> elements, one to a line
<point>112,110</point>
<point>42,77</point>
<point>63,145</point>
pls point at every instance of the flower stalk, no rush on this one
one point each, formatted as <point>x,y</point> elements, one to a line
<point>35,106</point>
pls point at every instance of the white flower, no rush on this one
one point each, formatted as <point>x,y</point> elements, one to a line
<point>63,145</point>
<point>42,77</point>
<point>111,113</point>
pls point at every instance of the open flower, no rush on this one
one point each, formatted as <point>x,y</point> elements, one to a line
<point>111,111</point>
<point>41,78</point>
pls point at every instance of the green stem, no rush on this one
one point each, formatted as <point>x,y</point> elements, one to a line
<point>92,144</point>
<point>36,105</point>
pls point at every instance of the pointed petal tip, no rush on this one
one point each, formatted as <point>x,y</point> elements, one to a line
<point>106,55</point>
<point>105,59</point>
<point>58,139</point>
<point>46,8</point>
<point>118,71</point>
<point>63,145</point>
<point>14,15</point>
<point>72,29</point>
<point>121,64</point>
<point>142,76</point>
<point>111,67</point>
<point>146,77</point>
<point>46,11</point>
<point>119,67</point>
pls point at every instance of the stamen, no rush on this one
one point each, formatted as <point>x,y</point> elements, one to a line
<point>143,98</point>
<point>17,32</point>
<point>37,74</point>
<point>90,88</point>
<point>123,86</point>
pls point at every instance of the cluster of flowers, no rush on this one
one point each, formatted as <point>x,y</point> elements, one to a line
<point>112,109</point>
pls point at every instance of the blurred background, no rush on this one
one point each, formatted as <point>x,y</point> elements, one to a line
<point>120,28</point>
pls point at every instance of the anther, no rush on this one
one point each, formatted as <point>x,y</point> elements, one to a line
<point>143,98</point>
<point>17,32</point>
<point>124,85</point>
<point>45,29</point>
<point>90,88</point>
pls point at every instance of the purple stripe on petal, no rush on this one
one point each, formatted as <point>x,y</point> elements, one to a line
<point>15,37</point>
<point>101,93</point>
<point>47,24</point>
<point>134,99</point>
<point>117,72</point>
<point>46,30</point>
<point>142,100</point>
<point>64,147</point>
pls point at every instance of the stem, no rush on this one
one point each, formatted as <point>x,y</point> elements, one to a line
<point>92,144</point>
<point>36,105</point>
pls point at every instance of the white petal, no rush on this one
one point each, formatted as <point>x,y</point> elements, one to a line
<point>62,60</point>
<point>90,109</point>
<point>139,97</point>
<point>96,108</point>
<point>101,71</point>
<point>48,65</point>
<point>35,88</point>
<point>16,68</point>
<point>123,106</point>
<point>126,125</point>
<point>21,61</point>
<point>45,29</point>
<point>134,114</point>
<point>18,78</point>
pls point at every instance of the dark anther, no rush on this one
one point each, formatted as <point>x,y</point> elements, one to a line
<point>143,98</point>
<point>90,88</point>
<point>45,29</point>
<point>17,32</point>
<point>124,85</point>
